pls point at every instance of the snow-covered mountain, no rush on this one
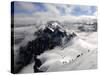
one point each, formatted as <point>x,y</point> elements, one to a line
<point>54,44</point>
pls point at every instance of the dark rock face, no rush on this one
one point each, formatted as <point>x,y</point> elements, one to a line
<point>46,40</point>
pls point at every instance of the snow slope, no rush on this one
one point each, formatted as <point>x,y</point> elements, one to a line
<point>78,55</point>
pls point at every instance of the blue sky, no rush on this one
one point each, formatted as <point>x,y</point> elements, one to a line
<point>59,9</point>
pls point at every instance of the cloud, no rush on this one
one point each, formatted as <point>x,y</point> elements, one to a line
<point>26,5</point>
<point>58,9</point>
<point>95,14</point>
<point>29,13</point>
<point>52,9</point>
<point>23,7</point>
<point>83,10</point>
